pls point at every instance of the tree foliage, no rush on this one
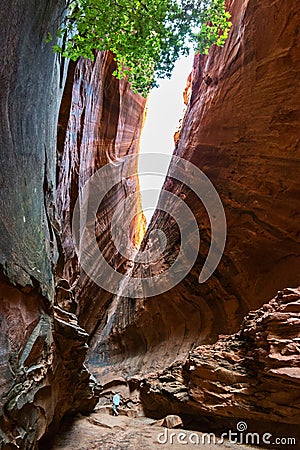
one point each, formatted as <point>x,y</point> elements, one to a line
<point>146,37</point>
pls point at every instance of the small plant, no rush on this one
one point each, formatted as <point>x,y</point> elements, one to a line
<point>146,37</point>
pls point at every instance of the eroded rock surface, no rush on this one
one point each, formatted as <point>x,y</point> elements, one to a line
<point>98,120</point>
<point>42,348</point>
<point>41,371</point>
<point>253,374</point>
<point>103,126</point>
<point>103,432</point>
<point>30,97</point>
<point>241,130</point>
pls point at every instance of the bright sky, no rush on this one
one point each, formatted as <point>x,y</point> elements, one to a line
<point>165,108</point>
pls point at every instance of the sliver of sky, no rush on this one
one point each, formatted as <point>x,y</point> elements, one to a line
<point>165,109</point>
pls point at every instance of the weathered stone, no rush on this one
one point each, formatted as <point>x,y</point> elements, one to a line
<point>104,124</point>
<point>29,100</point>
<point>256,384</point>
<point>170,421</point>
<point>241,130</point>
<point>41,370</point>
<point>42,375</point>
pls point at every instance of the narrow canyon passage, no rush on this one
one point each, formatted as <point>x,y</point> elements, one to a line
<point>78,320</point>
<point>164,113</point>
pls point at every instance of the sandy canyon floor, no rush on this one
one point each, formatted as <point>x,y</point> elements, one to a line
<point>102,431</point>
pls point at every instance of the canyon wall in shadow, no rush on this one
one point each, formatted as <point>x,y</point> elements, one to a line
<point>98,119</point>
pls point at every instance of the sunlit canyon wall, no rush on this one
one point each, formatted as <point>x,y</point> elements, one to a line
<point>241,129</point>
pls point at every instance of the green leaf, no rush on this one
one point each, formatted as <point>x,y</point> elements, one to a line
<point>49,38</point>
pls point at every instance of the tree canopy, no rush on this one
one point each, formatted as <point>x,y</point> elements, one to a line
<point>146,37</point>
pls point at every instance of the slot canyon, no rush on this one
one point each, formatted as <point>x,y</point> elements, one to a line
<point>212,354</point>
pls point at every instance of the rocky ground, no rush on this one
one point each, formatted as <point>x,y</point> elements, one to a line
<point>101,431</point>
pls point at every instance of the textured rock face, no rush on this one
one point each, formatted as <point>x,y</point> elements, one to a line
<point>253,374</point>
<point>42,347</point>
<point>241,129</point>
<point>29,77</point>
<point>41,370</point>
<point>103,126</point>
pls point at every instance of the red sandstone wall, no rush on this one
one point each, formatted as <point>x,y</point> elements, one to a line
<point>242,129</point>
<point>42,347</point>
<point>103,126</point>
